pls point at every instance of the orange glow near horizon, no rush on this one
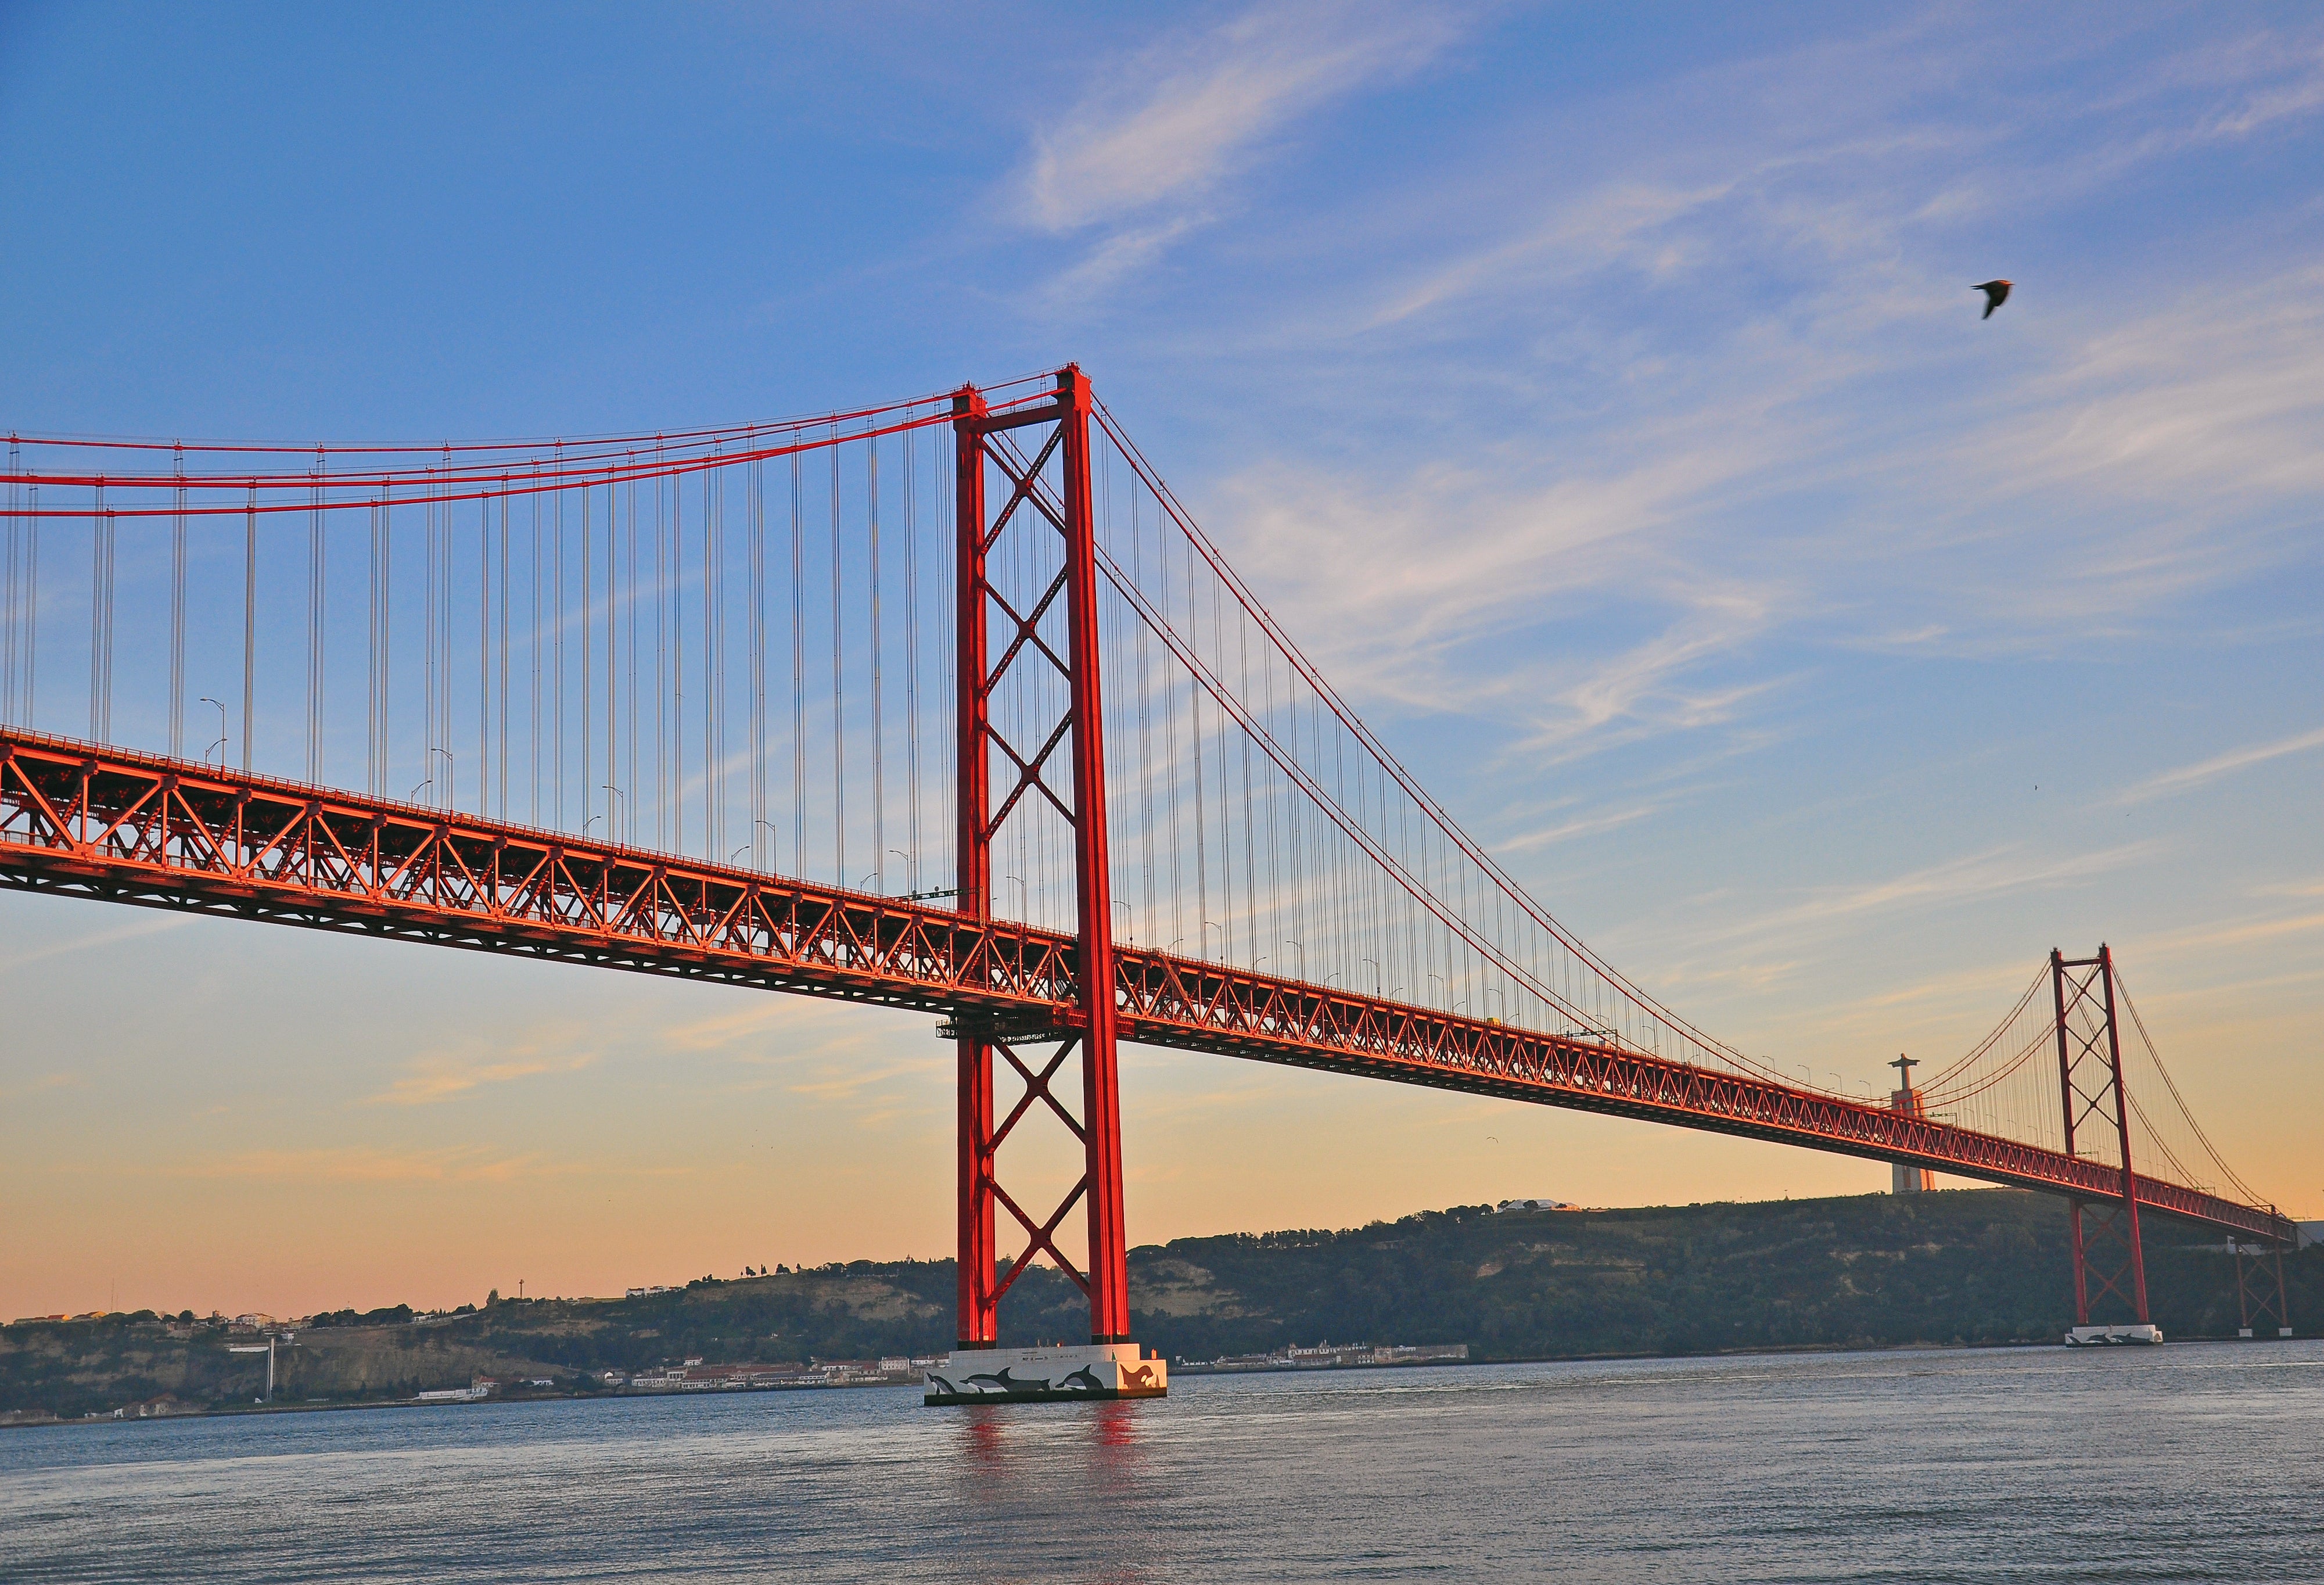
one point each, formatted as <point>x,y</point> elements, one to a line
<point>290,1122</point>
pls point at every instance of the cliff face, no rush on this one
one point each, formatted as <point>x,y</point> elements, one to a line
<point>1976,1266</point>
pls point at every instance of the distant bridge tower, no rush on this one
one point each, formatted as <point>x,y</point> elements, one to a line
<point>1904,1099</point>
<point>2109,1259</point>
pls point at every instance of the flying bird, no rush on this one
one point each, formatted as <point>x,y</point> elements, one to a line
<point>1996,292</point>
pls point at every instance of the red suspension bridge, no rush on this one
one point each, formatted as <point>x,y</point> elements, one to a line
<point>674,703</point>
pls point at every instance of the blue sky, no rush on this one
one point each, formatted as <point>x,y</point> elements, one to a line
<point>1599,395</point>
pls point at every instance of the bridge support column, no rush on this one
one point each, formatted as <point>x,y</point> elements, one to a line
<point>2109,1261</point>
<point>979,1302</point>
<point>1047,480</point>
<point>2254,1263</point>
<point>1109,1250</point>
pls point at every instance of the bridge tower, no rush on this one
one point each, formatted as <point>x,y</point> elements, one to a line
<point>2254,1301</point>
<point>2109,1262</point>
<point>1040,454</point>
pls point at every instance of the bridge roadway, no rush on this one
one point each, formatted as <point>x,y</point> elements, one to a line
<point>79,820</point>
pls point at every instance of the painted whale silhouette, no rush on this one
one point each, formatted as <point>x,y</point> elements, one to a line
<point>1003,1382</point>
<point>1083,1379</point>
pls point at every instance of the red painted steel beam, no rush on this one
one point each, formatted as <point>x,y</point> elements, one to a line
<point>976,1257</point>
<point>80,821</point>
<point>1207,1007</point>
<point>127,828</point>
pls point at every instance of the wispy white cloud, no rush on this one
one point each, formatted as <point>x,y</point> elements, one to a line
<point>1145,166</point>
<point>2186,778</point>
<point>2307,888</point>
<point>1502,558</point>
<point>1748,473</point>
<point>2241,934</point>
<point>849,1080</point>
<point>373,1164</point>
<point>443,1076</point>
<point>1975,877</point>
<point>1587,825</point>
<point>2270,78</point>
<point>1645,691</point>
<point>2217,392</point>
<point>1628,220</point>
<point>1117,256</point>
<point>114,937</point>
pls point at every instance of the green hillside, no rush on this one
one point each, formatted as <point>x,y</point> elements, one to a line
<point>1969,1266</point>
<point>1975,1266</point>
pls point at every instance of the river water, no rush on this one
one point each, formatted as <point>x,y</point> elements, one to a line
<point>2194,1461</point>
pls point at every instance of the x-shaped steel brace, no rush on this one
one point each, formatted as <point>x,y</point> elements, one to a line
<point>1028,773</point>
<point>1042,1239</point>
<point>1025,629</point>
<point>1036,1086</point>
<point>2103,1284</point>
<point>1043,1236</point>
<point>1024,482</point>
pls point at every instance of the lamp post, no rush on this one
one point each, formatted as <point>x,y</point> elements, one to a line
<point>220,744</point>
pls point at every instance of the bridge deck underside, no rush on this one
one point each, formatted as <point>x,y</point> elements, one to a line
<point>83,821</point>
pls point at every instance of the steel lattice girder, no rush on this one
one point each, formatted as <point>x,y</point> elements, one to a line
<point>80,821</point>
<point>1204,1006</point>
<point>141,829</point>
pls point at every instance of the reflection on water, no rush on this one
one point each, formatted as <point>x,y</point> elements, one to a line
<point>1056,1488</point>
<point>2191,1461</point>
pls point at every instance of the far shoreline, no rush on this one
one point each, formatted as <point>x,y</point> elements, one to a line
<point>252,1411</point>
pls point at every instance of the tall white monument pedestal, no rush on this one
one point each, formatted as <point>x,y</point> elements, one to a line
<point>1047,1376</point>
